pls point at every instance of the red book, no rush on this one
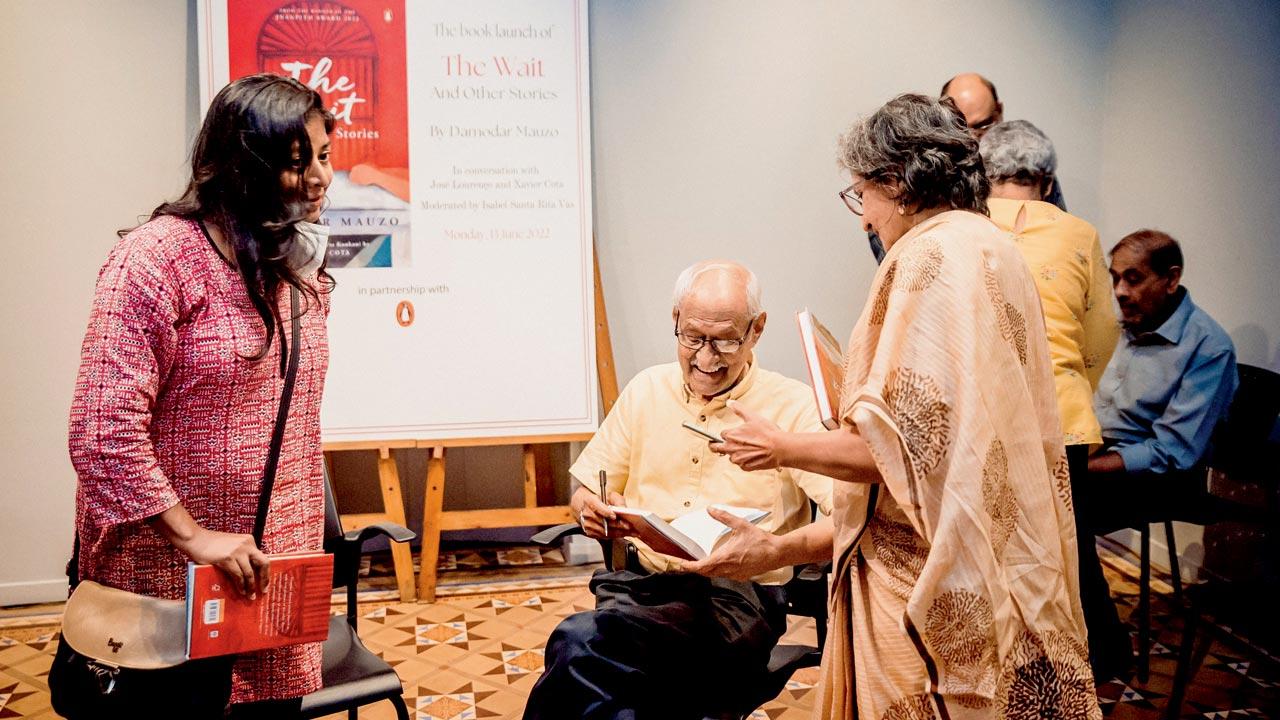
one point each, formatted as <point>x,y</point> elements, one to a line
<point>825,360</point>
<point>294,610</point>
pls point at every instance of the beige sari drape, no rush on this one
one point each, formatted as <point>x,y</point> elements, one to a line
<point>955,591</point>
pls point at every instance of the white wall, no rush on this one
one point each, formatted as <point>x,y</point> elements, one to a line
<point>715,125</point>
<point>1191,139</point>
<point>93,133</point>
<point>715,135</point>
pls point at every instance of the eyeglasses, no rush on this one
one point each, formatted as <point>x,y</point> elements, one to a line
<point>722,346</point>
<point>852,199</point>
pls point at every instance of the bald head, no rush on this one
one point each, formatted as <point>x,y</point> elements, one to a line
<point>723,284</point>
<point>976,97</point>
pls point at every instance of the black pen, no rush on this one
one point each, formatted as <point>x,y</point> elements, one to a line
<point>603,489</point>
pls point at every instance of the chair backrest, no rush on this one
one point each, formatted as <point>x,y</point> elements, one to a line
<point>1249,421</point>
<point>333,532</point>
<point>332,520</point>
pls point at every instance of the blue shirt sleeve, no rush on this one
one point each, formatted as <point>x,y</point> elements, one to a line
<point>1181,435</point>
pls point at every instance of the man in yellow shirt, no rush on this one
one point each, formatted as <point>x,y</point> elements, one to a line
<point>673,628</point>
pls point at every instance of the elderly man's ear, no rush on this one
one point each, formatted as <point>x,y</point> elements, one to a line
<point>758,326</point>
<point>1175,279</point>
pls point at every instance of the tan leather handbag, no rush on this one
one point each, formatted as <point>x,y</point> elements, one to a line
<point>124,629</point>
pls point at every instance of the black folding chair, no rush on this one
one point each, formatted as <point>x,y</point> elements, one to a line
<point>353,675</point>
<point>1241,449</point>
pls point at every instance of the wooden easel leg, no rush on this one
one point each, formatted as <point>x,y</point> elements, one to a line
<point>606,373</point>
<point>530,476</point>
<point>393,505</point>
<point>546,479</point>
<point>432,506</point>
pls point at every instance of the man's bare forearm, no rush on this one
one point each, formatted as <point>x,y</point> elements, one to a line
<point>809,544</point>
<point>1107,462</point>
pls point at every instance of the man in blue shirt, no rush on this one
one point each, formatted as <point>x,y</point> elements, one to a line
<point>1168,385</point>
<point>1174,372</point>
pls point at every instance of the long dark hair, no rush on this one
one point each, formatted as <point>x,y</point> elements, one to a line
<point>250,135</point>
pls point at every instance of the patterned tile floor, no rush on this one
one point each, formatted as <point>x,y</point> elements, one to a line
<point>476,654</point>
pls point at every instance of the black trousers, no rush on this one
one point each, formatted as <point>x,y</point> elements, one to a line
<point>1110,650</point>
<point>654,640</point>
<point>1104,503</point>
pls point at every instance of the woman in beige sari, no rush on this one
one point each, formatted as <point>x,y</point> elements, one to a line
<point>955,592</point>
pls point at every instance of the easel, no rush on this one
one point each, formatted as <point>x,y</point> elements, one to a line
<point>539,486</point>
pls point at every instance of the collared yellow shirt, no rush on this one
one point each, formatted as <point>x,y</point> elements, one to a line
<point>1065,258</point>
<point>659,466</point>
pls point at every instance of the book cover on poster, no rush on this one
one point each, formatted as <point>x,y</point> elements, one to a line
<point>353,53</point>
<point>825,361</point>
<point>295,609</point>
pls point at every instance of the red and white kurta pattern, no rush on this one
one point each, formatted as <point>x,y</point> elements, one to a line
<point>169,409</point>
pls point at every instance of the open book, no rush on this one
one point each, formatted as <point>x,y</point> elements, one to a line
<point>691,536</point>
<point>295,608</point>
<point>825,361</point>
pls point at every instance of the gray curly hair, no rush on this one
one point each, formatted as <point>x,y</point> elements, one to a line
<point>1017,151</point>
<point>920,146</point>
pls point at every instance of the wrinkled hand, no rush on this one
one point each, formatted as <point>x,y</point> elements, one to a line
<point>592,514</point>
<point>753,445</point>
<point>747,551</point>
<point>236,555</point>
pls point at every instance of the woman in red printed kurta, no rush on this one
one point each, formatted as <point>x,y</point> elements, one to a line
<point>181,371</point>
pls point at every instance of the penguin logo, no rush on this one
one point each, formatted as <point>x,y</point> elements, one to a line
<point>404,313</point>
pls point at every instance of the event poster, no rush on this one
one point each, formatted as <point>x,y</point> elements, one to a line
<point>459,212</point>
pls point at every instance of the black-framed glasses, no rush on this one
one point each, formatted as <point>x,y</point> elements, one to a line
<point>852,199</point>
<point>724,346</point>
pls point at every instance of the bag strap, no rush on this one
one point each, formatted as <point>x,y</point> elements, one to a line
<point>282,417</point>
<point>273,454</point>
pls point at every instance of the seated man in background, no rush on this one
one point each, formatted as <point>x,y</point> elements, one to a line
<point>1167,387</point>
<point>658,635</point>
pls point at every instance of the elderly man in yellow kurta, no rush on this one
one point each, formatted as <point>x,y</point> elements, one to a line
<point>671,630</point>
<point>1065,258</point>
